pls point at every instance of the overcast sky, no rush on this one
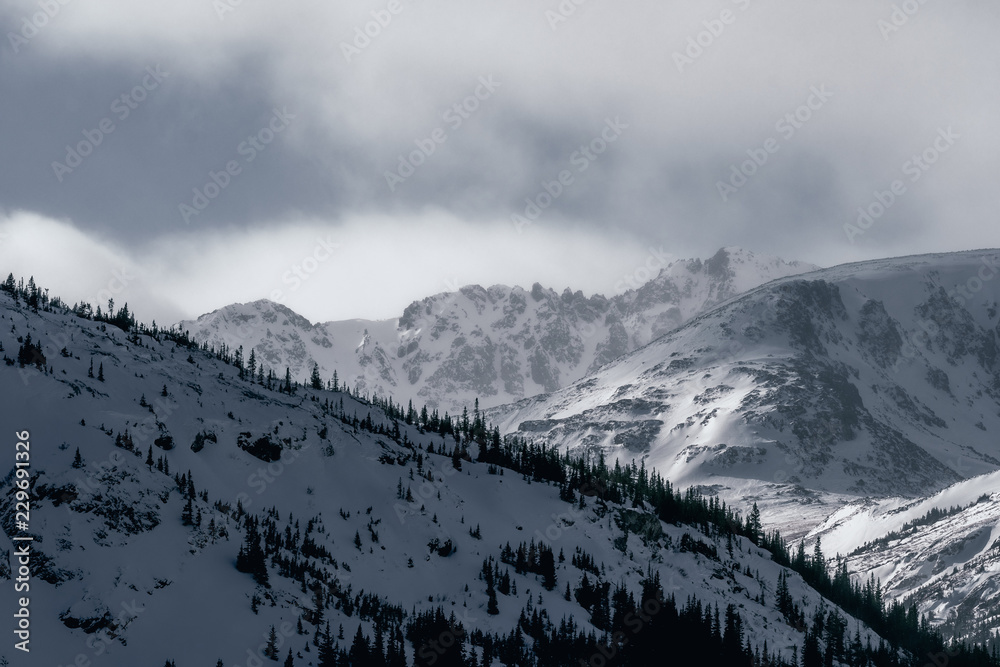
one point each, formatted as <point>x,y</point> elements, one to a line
<point>190,154</point>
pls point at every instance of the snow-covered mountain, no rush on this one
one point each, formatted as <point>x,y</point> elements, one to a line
<point>179,512</point>
<point>875,378</point>
<point>498,344</point>
<point>942,552</point>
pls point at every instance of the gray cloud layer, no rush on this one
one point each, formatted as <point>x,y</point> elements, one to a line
<point>696,106</point>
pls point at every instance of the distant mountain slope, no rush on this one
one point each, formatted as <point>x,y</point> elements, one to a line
<point>873,378</point>
<point>942,552</point>
<point>498,344</point>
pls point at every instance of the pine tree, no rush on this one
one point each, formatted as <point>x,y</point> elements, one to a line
<point>318,604</point>
<point>547,568</point>
<point>491,606</point>
<point>753,525</point>
<point>782,598</point>
<point>811,655</point>
<point>819,561</point>
<point>315,381</point>
<point>251,558</point>
<point>31,354</point>
<point>100,372</point>
<point>327,653</point>
<point>32,295</point>
<point>271,650</point>
<point>289,661</point>
<point>77,459</point>
<point>360,652</point>
<point>732,640</point>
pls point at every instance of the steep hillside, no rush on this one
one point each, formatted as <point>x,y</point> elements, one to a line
<point>181,511</point>
<point>498,344</point>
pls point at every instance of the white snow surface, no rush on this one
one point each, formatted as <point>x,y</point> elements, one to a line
<point>109,533</point>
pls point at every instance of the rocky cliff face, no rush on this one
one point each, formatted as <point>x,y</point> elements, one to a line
<point>873,378</point>
<point>497,344</point>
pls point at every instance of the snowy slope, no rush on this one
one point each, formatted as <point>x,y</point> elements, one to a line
<point>876,378</point>
<point>943,552</point>
<point>497,344</point>
<point>119,579</point>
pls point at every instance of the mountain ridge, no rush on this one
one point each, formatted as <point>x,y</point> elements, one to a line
<point>494,344</point>
<point>785,342</point>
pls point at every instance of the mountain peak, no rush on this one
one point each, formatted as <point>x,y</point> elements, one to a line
<point>498,344</point>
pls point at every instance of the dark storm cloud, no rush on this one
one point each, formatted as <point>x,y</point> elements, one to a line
<point>156,153</point>
<point>509,97</point>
